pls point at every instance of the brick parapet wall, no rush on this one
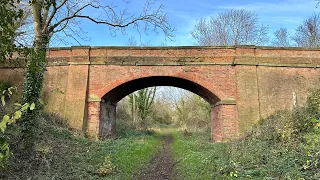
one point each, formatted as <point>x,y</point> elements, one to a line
<point>194,55</point>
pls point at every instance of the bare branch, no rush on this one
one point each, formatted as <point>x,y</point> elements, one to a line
<point>75,14</point>
<point>53,18</point>
<point>308,33</point>
<point>281,38</point>
<point>230,28</point>
<point>54,11</point>
<point>156,18</point>
<point>23,28</point>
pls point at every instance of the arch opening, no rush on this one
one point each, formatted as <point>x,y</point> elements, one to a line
<point>116,94</point>
<point>108,105</point>
<point>171,107</point>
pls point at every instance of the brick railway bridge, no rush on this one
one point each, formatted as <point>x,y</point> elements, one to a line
<point>242,83</point>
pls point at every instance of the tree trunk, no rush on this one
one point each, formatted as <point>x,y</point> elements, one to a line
<point>33,82</point>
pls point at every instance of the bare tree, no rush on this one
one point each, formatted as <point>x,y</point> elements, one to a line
<point>232,27</point>
<point>63,16</point>
<point>308,33</point>
<point>133,42</point>
<point>281,38</point>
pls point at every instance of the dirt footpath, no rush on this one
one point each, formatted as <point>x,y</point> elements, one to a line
<point>161,165</point>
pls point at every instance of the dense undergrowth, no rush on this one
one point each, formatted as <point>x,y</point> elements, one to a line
<point>63,155</point>
<point>283,146</point>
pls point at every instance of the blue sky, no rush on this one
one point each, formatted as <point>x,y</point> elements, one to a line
<point>183,14</point>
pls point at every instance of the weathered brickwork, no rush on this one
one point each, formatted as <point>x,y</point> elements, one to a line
<point>280,88</point>
<point>224,122</point>
<point>93,119</point>
<point>242,83</point>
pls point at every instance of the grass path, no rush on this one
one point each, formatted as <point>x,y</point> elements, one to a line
<point>161,165</point>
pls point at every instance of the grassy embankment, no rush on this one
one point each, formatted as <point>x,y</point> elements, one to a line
<point>283,146</point>
<point>62,155</point>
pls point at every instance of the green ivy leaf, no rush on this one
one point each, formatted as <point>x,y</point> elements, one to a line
<point>10,90</point>
<point>17,115</point>
<point>5,118</point>
<point>3,126</point>
<point>32,106</point>
<point>25,107</point>
<point>3,101</point>
<point>41,101</point>
<point>17,104</point>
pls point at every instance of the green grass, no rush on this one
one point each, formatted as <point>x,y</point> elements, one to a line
<point>284,146</point>
<point>198,158</point>
<point>62,155</point>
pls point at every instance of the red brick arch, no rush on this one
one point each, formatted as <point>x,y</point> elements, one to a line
<point>109,84</point>
<point>201,83</point>
<point>116,90</point>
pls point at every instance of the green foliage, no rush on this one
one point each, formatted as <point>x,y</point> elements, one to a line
<point>107,167</point>
<point>33,83</point>
<point>9,15</point>
<point>311,144</point>
<point>128,119</point>
<point>286,145</point>
<point>313,103</point>
<point>8,119</point>
<point>283,146</point>
<point>141,106</point>
<point>190,111</point>
<point>4,85</point>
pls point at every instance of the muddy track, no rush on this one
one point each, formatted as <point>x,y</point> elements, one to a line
<point>161,165</point>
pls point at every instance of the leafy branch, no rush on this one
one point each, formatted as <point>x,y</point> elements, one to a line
<point>11,118</point>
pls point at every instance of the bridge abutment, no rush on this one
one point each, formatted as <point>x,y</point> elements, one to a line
<point>107,125</point>
<point>93,120</point>
<point>101,121</point>
<point>224,120</point>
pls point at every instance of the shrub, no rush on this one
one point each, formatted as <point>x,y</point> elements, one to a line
<point>4,85</point>
<point>313,103</point>
<point>9,118</point>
